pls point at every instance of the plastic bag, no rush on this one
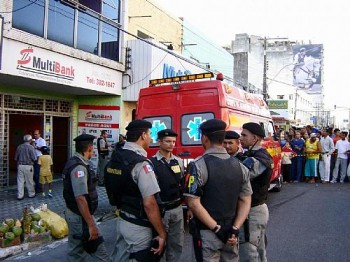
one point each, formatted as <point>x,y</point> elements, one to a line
<point>57,224</point>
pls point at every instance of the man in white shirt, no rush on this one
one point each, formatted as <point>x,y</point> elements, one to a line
<point>325,159</point>
<point>39,143</point>
<point>342,147</point>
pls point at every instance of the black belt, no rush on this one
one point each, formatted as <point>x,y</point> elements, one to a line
<point>171,204</point>
<point>136,221</point>
<point>25,164</point>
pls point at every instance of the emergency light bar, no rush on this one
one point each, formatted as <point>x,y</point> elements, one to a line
<point>180,78</point>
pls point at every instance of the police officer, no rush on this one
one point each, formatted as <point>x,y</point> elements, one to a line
<point>218,193</point>
<point>80,195</point>
<point>102,149</point>
<point>169,170</point>
<point>258,160</point>
<point>231,142</point>
<point>132,185</point>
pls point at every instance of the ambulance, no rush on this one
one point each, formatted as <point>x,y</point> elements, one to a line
<point>182,103</point>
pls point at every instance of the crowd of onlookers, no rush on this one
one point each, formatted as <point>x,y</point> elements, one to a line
<point>311,155</point>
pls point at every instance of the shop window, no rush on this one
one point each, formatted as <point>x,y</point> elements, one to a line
<point>61,23</point>
<point>28,15</point>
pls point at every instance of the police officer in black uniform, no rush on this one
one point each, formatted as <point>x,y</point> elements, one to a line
<point>218,193</point>
<point>231,142</point>
<point>80,195</point>
<point>132,186</point>
<point>169,170</point>
<point>259,162</point>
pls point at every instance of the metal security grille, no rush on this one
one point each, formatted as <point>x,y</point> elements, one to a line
<point>21,102</point>
<point>17,104</point>
<point>4,178</point>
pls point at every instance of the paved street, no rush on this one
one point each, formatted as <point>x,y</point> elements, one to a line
<point>307,223</point>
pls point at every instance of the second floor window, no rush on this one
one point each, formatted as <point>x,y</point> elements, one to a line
<point>89,25</point>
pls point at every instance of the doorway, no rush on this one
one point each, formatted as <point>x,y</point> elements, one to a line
<point>60,142</point>
<point>20,125</point>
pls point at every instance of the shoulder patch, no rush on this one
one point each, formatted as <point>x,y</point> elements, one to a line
<point>79,174</point>
<point>147,168</point>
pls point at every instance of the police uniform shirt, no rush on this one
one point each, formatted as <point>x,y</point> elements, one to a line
<point>79,176</point>
<point>103,145</point>
<point>143,173</point>
<point>202,174</point>
<point>258,167</point>
<point>159,157</point>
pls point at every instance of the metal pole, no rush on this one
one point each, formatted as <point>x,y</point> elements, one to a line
<point>265,95</point>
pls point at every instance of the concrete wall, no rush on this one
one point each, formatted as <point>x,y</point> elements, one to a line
<point>161,26</point>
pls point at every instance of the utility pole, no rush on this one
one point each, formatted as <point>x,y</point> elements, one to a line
<point>265,95</point>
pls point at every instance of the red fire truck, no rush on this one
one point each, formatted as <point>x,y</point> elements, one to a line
<point>182,103</point>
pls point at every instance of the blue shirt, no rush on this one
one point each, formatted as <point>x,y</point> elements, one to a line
<point>297,145</point>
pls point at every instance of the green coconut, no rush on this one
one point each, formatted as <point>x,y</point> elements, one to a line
<point>17,231</point>
<point>10,236</point>
<point>4,228</point>
<point>10,222</point>
<point>35,216</point>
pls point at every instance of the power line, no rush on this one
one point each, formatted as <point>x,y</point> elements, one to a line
<point>9,12</point>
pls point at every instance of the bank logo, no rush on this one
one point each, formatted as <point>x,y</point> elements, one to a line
<point>91,116</point>
<point>45,67</point>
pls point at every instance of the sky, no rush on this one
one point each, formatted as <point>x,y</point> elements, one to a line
<point>319,21</point>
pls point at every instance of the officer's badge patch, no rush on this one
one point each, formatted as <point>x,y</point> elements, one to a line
<point>79,174</point>
<point>147,169</point>
<point>176,169</point>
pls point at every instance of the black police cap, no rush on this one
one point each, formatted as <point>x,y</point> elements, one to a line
<point>232,135</point>
<point>212,126</point>
<point>255,129</point>
<point>166,132</point>
<point>138,124</point>
<point>84,137</point>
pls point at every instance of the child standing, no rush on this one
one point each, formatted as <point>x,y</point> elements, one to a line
<point>287,155</point>
<point>45,162</point>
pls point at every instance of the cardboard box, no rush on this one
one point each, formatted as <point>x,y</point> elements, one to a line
<point>9,243</point>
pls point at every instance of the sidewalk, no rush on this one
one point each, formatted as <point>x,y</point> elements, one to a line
<point>10,207</point>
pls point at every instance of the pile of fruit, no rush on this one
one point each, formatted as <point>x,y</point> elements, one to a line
<point>11,229</point>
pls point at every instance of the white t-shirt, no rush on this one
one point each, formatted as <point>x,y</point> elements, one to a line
<point>40,142</point>
<point>342,146</point>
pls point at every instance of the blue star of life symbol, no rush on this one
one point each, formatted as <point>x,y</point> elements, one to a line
<point>193,126</point>
<point>156,127</point>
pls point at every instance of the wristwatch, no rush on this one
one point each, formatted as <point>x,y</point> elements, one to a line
<point>216,228</point>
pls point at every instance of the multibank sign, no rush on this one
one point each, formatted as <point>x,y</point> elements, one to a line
<point>41,66</point>
<point>36,63</point>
